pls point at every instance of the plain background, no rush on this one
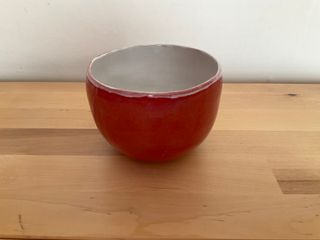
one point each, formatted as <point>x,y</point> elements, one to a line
<point>254,40</point>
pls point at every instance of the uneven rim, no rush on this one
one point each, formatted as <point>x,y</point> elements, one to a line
<point>168,94</point>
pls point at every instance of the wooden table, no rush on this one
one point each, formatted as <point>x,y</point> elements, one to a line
<point>257,175</point>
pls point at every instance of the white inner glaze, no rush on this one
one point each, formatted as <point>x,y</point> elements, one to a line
<point>154,68</point>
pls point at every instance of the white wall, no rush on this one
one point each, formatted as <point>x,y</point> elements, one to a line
<point>254,40</point>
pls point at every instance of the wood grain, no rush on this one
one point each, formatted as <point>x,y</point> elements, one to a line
<point>255,177</point>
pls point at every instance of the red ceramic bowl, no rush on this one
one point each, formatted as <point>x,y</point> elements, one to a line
<point>155,102</point>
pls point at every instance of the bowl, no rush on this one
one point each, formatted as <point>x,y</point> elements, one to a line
<point>154,102</point>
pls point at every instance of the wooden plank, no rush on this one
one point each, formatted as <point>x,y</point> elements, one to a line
<point>255,177</point>
<point>243,106</point>
<point>162,215</point>
<point>268,120</point>
<point>213,178</point>
<point>53,142</point>
<point>46,118</point>
<point>108,196</point>
<point>43,95</point>
<point>44,105</point>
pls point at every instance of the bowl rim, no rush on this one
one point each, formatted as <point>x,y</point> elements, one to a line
<point>168,94</point>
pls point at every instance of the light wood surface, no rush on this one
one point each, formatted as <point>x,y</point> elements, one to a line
<point>257,175</point>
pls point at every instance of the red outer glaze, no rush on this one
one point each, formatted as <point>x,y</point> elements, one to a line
<point>155,126</point>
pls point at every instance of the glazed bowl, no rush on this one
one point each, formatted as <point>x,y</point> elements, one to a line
<point>154,102</point>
